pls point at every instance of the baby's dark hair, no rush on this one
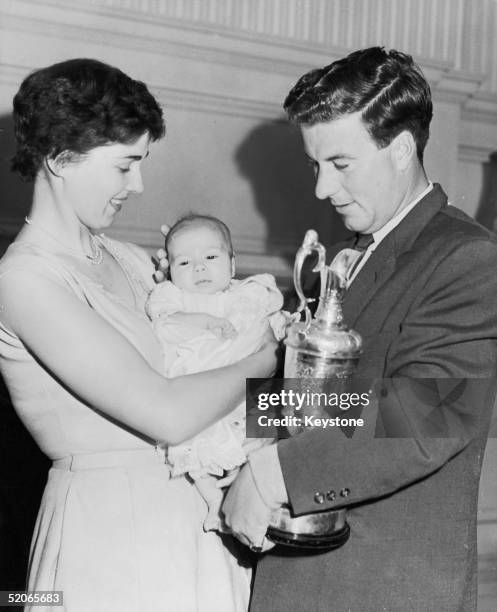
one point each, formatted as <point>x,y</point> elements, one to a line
<point>198,220</point>
<point>75,106</point>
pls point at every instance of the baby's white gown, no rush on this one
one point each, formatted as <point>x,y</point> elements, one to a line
<point>114,531</point>
<point>251,305</point>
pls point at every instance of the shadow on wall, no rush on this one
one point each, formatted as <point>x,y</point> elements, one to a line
<point>486,213</point>
<point>272,159</point>
<point>23,471</point>
<point>16,195</point>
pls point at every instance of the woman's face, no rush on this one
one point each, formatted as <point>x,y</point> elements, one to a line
<point>98,184</point>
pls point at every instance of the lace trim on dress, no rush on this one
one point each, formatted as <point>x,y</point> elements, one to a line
<point>135,279</point>
<point>217,449</point>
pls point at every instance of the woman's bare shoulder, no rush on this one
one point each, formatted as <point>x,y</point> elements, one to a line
<point>22,260</point>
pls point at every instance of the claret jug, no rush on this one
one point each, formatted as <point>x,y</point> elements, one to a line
<point>323,351</point>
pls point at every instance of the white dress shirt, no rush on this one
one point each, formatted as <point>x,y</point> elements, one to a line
<point>379,235</point>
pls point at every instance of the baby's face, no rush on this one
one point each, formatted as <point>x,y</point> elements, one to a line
<point>199,260</point>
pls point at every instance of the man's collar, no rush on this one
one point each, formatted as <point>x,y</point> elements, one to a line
<point>406,232</point>
<point>394,221</point>
<point>400,240</point>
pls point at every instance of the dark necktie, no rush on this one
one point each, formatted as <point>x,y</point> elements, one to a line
<point>361,244</point>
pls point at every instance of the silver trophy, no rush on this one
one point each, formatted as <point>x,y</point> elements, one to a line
<point>324,351</point>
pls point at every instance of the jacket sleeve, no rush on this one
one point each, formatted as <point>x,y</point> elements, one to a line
<point>442,366</point>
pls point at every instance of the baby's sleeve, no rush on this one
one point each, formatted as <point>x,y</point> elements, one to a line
<point>164,300</point>
<point>215,450</point>
<point>253,300</point>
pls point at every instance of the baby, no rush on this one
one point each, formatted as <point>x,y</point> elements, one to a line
<point>205,319</point>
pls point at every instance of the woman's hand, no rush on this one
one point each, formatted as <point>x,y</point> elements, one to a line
<point>289,320</point>
<point>270,352</point>
<point>161,260</point>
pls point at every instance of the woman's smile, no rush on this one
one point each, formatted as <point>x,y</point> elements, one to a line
<point>117,203</point>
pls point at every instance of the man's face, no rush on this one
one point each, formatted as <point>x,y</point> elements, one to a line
<point>362,182</point>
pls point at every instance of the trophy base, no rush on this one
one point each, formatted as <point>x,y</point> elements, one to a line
<point>307,541</point>
<point>318,531</point>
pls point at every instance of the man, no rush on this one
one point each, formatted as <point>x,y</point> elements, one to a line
<point>422,295</point>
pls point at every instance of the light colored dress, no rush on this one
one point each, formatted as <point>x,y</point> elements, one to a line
<point>114,532</point>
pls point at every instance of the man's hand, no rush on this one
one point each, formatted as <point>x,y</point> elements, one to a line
<point>161,260</point>
<point>246,513</point>
<point>251,445</point>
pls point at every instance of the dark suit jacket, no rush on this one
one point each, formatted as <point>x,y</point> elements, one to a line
<point>426,305</point>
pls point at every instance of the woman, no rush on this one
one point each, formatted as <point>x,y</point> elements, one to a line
<point>82,364</point>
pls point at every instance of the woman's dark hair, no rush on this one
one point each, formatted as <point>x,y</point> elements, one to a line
<point>387,88</point>
<point>78,105</point>
<point>198,220</point>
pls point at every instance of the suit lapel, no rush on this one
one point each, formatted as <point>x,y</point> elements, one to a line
<point>376,270</point>
<point>383,262</point>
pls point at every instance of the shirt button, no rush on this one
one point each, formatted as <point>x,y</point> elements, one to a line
<point>319,498</point>
<point>330,495</point>
<point>345,492</point>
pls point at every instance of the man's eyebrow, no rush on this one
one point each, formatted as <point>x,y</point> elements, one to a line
<point>339,156</point>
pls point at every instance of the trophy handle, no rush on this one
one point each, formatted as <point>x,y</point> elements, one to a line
<point>309,245</point>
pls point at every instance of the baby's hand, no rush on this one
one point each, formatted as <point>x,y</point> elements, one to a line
<point>220,327</point>
<point>161,260</point>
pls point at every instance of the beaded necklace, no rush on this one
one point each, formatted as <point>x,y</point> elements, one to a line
<point>96,256</point>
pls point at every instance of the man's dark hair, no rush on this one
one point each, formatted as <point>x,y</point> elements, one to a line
<point>75,106</point>
<point>198,220</point>
<point>387,88</point>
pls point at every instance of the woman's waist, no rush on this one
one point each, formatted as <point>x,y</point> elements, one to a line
<point>129,458</point>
